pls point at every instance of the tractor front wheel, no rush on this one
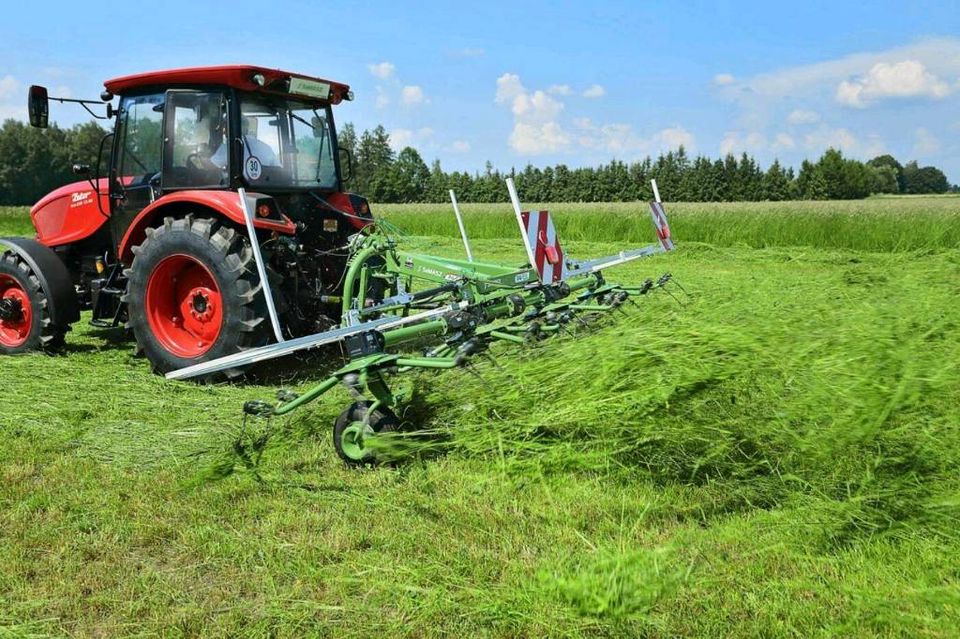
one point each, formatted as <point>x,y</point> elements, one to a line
<point>25,322</point>
<point>355,433</point>
<point>193,294</point>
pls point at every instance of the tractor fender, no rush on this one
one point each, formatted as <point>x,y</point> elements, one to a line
<point>224,203</point>
<point>54,278</point>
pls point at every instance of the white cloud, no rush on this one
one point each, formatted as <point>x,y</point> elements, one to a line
<point>469,52</point>
<point>800,116</point>
<point>400,138</point>
<point>940,56</point>
<point>825,138</point>
<point>905,79</point>
<point>621,140</point>
<point>8,87</point>
<point>382,70</point>
<point>535,126</point>
<point>508,87</point>
<point>595,91</point>
<point>783,141</point>
<point>675,137</point>
<point>538,127</point>
<point>536,106</point>
<point>12,104</point>
<point>412,95</point>
<point>382,100</point>
<point>723,79</point>
<point>460,146</point>
<point>926,143</point>
<point>766,99</point>
<point>734,142</point>
<point>535,139</point>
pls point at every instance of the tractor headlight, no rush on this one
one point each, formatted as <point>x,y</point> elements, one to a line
<point>258,79</point>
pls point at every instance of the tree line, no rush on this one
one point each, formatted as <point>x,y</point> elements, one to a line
<point>33,162</point>
<point>385,176</point>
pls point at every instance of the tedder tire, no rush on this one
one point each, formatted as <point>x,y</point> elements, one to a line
<point>356,422</point>
<point>25,321</point>
<point>193,294</point>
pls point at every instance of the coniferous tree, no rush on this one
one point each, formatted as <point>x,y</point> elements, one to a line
<point>776,186</point>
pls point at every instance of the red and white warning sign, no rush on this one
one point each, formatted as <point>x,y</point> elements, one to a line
<point>543,245</point>
<point>660,222</point>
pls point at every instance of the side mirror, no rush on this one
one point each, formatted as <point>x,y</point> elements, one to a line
<point>319,126</point>
<point>38,106</point>
<point>346,164</point>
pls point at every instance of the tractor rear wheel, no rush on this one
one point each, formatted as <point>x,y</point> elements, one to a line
<point>193,294</point>
<point>25,322</point>
<point>355,428</point>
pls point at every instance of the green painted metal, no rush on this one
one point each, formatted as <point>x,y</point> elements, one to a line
<point>408,333</point>
<point>351,441</point>
<point>307,397</point>
<point>499,303</point>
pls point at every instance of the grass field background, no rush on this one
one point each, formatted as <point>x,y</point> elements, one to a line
<point>775,456</point>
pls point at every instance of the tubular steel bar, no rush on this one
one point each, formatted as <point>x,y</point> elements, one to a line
<point>261,267</point>
<point>307,397</point>
<point>515,199</point>
<point>271,351</point>
<point>463,230</point>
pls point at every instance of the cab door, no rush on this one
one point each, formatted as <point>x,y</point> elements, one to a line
<point>138,159</point>
<point>196,142</point>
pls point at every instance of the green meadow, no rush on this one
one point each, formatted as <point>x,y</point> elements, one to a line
<point>774,453</point>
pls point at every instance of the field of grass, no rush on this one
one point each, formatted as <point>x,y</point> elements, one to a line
<point>775,456</point>
<point>876,224</point>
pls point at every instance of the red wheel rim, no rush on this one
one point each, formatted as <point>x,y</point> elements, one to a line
<point>184,306</point>
<point>15,330</point>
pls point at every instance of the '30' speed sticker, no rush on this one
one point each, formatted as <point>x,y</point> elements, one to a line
<point>252,168</point>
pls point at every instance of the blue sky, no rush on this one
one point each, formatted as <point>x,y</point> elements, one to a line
<point>548,82</point>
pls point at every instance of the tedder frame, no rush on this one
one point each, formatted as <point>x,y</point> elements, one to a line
<point>465,304</point>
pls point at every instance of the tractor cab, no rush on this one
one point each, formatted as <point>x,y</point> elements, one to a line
<point>204,168</point>
<point>201,129</point>
<point>221,128</point>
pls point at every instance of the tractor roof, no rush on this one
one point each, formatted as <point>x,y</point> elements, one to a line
<point>238,77</point>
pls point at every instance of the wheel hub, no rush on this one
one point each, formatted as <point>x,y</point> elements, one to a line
<point>16,313</point>
<point>184,306</point>
<point>351,441</point>
<point>11,309</point>
<point>202,306</point>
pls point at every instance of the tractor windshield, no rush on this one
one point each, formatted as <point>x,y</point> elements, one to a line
<point>286,144</point>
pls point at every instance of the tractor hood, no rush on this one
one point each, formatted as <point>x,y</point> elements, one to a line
<point>70,213</point>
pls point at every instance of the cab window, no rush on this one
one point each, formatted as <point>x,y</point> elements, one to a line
<point>197,141</point>
<point>140,145</point>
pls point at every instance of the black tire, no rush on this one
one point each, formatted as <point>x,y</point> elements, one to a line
<point>39,332</point>
<point>228,259</point>
<point>382,420</point>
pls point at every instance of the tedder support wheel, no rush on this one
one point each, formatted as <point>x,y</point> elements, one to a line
<point>353,430</point>
<point>193,294</point>
<point>25,308</point>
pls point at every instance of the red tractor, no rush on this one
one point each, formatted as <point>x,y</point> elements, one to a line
<point>162,244</point>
